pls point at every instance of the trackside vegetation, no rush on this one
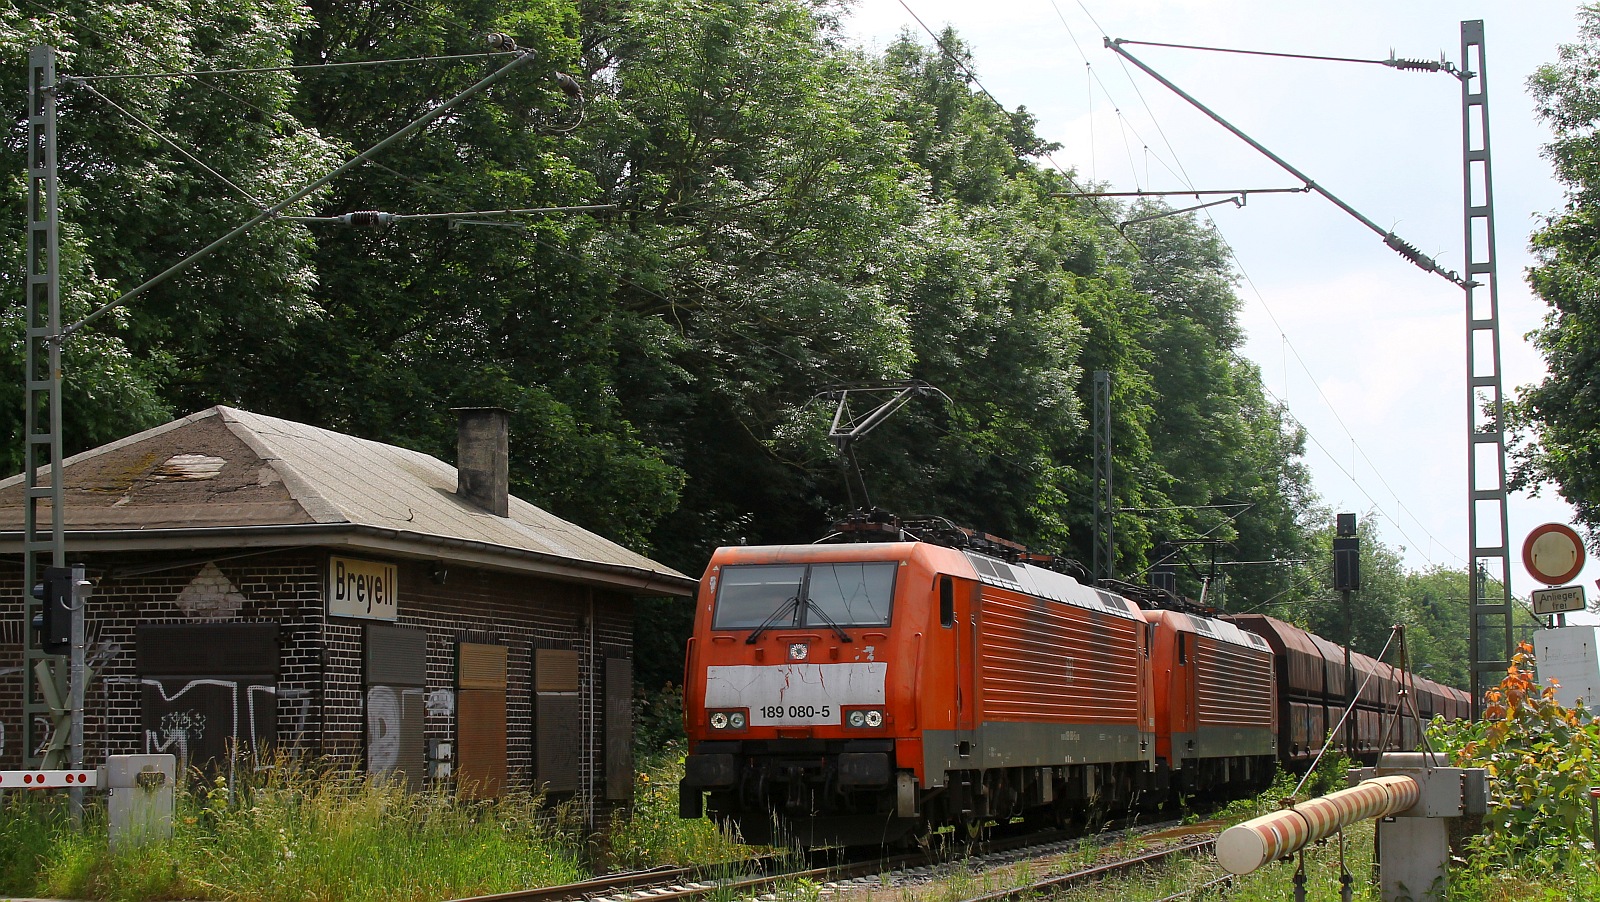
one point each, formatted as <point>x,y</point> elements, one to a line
<point>288,833</point>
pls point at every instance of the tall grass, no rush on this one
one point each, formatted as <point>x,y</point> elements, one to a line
<point>654,834</point>
<point>294,834</point>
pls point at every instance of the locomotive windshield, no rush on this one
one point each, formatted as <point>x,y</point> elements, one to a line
<point>845,594</point>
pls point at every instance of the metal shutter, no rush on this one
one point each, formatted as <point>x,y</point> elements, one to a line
<point>559,742</point>
<point>555,670</point>
<point>480,720</point>
<point>207,689</point>
<point>619,728</point>
<point>558,738</point>
<point>396,674</point>
<point>481,666</point>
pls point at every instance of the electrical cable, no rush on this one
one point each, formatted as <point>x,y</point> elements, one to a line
<point>1391,62</point>
<point>303,67</point>
<point>985,91</point>
<point>1097,80</point>
<point>1271,315</point>
<point>170,142</point>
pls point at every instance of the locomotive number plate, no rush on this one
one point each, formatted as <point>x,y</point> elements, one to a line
<point>793,694</point>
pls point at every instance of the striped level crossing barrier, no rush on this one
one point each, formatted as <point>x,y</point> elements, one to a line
<point>48,779</point>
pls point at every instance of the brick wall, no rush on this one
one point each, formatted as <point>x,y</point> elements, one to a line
<point>320,686</point>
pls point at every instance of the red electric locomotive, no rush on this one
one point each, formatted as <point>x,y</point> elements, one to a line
<point>855,693</point>
<point>852,693</point>
<point>1215,701</point>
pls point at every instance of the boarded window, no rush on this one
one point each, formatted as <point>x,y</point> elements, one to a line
<point>207,690</point>
<point>396,674</point>
<point>480,720</point>
<point>619,728</point>
<point>558,739</point>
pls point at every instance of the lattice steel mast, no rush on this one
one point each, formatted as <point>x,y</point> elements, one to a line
<point>42,411</point>
<point>1105,506</point>
<point>1490,626</point>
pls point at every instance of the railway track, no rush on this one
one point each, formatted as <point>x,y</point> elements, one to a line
<point>756,877</point>
<point>1055,883</point>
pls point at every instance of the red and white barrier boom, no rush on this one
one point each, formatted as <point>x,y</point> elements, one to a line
<point>1245,847</point>
<point>48,779</point>
<point>1415,799</point>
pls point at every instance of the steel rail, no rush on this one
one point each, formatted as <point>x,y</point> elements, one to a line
<point>667,884</point>
<point>1019,893</point>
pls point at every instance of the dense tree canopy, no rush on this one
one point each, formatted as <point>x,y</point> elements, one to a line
<point>1560,416</point>
<point>790,213</point>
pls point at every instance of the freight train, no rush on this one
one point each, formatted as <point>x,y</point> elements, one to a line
<point>864,692</point>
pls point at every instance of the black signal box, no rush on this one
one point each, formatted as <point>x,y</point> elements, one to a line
<point>1347,564</point>
<point>54,621</point>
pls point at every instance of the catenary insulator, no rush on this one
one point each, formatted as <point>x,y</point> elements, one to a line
<point>1415,65</point>
<point>367,218</point>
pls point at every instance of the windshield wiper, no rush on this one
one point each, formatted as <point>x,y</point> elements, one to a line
<point>772,618</point>
<point>813,606</point>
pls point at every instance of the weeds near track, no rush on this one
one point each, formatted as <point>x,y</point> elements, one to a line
<point>288,833</point>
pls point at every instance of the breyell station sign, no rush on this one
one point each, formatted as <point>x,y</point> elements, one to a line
<point>365,589</point>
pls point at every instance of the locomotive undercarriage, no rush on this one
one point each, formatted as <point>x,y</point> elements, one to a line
<point>847,792</point>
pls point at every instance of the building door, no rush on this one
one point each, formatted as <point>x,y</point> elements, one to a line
<point>480,720</point>
<point>558,740</point>
<point>396,671</point>
<point>207,691</point>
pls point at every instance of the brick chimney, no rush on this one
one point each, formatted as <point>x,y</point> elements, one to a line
<point>483,457</point>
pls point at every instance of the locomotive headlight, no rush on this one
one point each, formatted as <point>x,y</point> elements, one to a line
<point>874,718</point>
<point>719,721</point>
<point>736,720</point>
<point>857,718</point>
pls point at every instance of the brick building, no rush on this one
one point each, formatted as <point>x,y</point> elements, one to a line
<point>262,582</point>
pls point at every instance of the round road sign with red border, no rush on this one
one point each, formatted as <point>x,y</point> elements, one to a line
<point>1553,553</point>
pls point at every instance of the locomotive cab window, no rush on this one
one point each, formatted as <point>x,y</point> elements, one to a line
<point>750,596</point>
<point>947,601</point>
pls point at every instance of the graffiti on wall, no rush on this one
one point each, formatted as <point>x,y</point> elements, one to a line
<point>204,721</point>
<point>394,727</point>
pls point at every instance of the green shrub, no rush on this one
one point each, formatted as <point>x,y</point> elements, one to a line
<point>1541,759</point>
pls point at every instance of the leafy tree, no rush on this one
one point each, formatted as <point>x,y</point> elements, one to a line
<point>132,205</point>
<point>1559,417</point>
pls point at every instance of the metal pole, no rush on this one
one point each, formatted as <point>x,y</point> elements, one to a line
<point>1390,238</point>
<point>42,406</point>
<point>77,678</point>
<point>1490,620</point>
<point>1349,677</point>
<point>1105,535</point>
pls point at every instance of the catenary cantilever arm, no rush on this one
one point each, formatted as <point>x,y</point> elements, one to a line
<point>1395,242</point>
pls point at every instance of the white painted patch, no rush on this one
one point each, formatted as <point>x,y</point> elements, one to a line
<point>188,468</point>
<point>795,694</point>
<point>210,596</point>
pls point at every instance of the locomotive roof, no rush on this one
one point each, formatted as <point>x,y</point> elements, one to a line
<point>1043,583</point>
<point>1016,577</point>
<point>1224,631</point>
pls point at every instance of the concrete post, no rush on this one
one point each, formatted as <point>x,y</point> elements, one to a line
<point>1414,844</point>
<point>140,807</point>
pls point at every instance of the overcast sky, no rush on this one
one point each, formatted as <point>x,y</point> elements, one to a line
<point>1367,350</point>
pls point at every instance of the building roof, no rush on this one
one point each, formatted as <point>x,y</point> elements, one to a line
<point>225,477</point>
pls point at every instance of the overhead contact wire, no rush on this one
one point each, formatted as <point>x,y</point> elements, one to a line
<point>1262,300</point>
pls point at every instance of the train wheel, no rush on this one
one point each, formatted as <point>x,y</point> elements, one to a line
<point>971,831</point>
